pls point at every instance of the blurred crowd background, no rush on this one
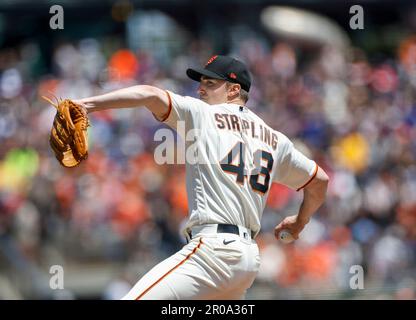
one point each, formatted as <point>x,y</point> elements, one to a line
<point>349,106</point>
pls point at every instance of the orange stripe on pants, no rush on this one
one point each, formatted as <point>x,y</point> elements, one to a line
<point>167,273</point>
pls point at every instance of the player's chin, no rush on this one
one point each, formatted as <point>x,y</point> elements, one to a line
<point>208,101</point>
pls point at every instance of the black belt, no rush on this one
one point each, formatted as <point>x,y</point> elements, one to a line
<point>226,228</point>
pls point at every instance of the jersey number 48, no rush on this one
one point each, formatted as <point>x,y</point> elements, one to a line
<point>227,164</point>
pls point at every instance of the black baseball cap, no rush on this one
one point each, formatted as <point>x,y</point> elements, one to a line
<point>224,68</point>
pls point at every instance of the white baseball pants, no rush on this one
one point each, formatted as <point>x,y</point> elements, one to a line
<point>211,266</point>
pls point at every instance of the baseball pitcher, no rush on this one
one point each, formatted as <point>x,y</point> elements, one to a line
<point>237,157</point>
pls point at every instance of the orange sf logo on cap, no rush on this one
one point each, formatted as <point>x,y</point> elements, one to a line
<point>232,75</point>
<point>211,59</point>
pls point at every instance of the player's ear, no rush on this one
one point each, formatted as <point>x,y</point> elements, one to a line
<point>233,89</point>
<point>238,88</point>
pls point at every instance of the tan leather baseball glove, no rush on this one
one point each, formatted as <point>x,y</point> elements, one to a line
<point>69,137</point>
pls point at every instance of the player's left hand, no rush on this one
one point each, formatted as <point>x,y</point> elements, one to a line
<point>292,224</point>
<point>69,138</point>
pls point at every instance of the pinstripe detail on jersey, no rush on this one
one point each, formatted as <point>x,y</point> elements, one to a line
<point>171,270</point>
<point>310,180</point>
<point>169,108</point>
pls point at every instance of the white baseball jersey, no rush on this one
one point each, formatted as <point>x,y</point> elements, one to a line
<point>232,159</point>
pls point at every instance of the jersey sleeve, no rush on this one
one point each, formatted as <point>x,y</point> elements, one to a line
<point>293,168</point>
<point>183,109</point>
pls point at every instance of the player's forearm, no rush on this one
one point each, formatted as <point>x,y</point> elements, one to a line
<point>314,196</point>
<point>135,96</point>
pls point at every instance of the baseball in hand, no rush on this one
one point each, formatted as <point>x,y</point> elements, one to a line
<point>285,236</point>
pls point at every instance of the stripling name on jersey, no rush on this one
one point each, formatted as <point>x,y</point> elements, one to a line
<point>256,130</point>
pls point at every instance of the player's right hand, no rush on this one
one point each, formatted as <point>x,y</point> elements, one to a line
<point>292,224</point>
